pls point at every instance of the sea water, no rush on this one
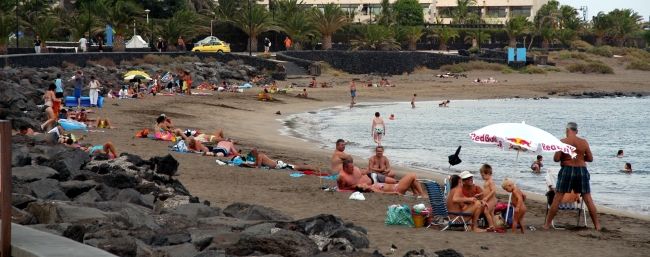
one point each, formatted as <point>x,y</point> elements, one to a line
<point>423,137</point>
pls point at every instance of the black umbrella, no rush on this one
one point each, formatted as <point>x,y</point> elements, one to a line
<point>454,159</point>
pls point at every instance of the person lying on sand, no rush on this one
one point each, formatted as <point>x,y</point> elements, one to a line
<point>262,159</point>
<point>223,148</point>
<point>457,202</point>
<point>216,137</point>
<point>303,94</point>
<point>93,150</point>
<point>406,183</point>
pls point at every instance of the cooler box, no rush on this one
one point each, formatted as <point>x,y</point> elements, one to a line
<point>71,101</point>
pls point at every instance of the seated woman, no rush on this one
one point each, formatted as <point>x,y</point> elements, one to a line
<point>264,96</point>
<point>164,130</point>
<point>303,94</point>
<point>261,159</point>
<point>406,183</point>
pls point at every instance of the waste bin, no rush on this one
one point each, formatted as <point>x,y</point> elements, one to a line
<point>418,220</point>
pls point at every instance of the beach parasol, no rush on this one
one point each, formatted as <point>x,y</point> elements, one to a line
<point>135,75</point>
<point>520,136</point>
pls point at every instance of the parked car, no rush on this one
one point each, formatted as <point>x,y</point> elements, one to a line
<point>213,47</point>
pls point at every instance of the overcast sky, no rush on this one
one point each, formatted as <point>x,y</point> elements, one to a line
<point>642,7</point>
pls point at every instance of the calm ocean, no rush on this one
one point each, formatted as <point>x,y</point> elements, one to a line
<point>423,138</point>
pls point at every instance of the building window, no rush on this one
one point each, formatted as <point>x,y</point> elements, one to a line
<point>520,11</point>
<point>445,12</point>
<point>496,12</point>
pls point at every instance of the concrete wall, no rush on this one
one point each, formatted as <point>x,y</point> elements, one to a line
<point>80,59</point>
<point>383,62</point>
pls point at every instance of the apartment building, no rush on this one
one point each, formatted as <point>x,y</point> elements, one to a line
<point>492,11</point>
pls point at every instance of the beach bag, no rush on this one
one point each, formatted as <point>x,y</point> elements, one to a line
<point>399,215</point>
<point>180,147</point>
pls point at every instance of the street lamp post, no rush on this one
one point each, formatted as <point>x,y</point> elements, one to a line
<point>17,32</point>
<point>150,33</point>
<point>211,27</point>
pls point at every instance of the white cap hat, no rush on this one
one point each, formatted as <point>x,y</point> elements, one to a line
<point>466,175</point>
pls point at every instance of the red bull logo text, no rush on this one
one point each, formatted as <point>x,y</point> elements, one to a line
<point>485,138</point>
<point>567,149</point>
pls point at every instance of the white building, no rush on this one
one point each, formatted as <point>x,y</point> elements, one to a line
<point>492,11</point>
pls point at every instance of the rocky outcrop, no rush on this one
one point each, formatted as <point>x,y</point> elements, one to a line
<point>135,207</point>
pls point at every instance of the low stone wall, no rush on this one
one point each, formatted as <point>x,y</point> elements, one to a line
<point>383,62</point>
<point>80,59</point>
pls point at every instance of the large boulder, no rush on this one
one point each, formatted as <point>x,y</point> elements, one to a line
<point>117,242</point>
<point>61,212</point>
<point>22,217</point>
<point>21,201</point>
<point>47,189</point>
<point>183,250</point>
<point>195,211</point>
<point>282,242</point>
<point>69,161</point>
<point>89,197</point>
<point>32,173</point>
<point>165,165</point>
<point>73,188</point>
<point>254,212</point>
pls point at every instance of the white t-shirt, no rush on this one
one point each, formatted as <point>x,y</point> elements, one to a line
<point>82,42</point>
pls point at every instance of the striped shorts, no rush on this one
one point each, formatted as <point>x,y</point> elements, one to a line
<point>574,179</point>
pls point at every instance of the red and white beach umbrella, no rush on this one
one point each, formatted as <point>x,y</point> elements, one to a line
<point>520,136</point>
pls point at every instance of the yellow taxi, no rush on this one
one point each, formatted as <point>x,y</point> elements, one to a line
<point>213,47</point>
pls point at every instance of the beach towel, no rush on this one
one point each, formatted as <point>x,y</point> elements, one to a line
<point>180,147</point>
<point>201,93</point>
<point>165,136</point>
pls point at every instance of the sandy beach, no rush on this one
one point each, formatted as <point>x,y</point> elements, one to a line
<point>254,124</point>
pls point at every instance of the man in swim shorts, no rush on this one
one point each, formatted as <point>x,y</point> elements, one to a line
<point>378,129</point>
<point>573,175</point>
<point>350,176</point>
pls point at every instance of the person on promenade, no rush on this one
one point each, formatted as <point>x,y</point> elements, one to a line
<point>489,194</point>
<point>413,101</point>
<point>94,91</point>
<point>457,202</point>
<point>287,43</point>
<point>83,44</point>
<point>267,45</point>
<point>353,93</point>
<point>336,162</point>
<point>518,199</point>
<point>378,129</point>
<point>100,44</point>
<point>180,44</point>
<point>537,164</point>
<point>406,183</point>
<point>573,175</point>
<point>379,163</point>
<point>37,44</point>
<point>49,98</point>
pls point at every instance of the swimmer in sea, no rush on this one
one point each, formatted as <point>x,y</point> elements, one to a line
<point>378,128</point>
<point>627,168</point>
<point>392,117</point>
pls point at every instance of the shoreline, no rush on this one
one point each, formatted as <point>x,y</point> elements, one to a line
<point>437,174</point>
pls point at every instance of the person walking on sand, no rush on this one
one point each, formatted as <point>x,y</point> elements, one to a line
<point>413,101</point>
<point>378,128</point>
<point>353,93</point>
<point>573,175</point>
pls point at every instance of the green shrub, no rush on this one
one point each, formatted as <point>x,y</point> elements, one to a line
<point>474,50</point>
<point>590,67</point>
<point>553,69</point>
<point>604,51</point>
<point>638,64</point>
<point>507,70</point>
<point>580,45</point>
<point>473,65</point>
<point>564,55</point>
<point>530,69</point>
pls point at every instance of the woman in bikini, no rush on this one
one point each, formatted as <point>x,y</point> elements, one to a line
<point>378,129</point>
<point>49,98</point>
<point>406,183</point>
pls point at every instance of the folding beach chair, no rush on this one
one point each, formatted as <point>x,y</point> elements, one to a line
<point>439,208</point>
<point>579,208</point>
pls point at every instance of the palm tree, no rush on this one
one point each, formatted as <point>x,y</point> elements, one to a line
<point>6,26</point>
<point>328,21</point>
<point>227,9</point>
<point>253,21</point>
<point>45,27</point>
<point>624,23</point>
<point>600,27</point>
<point>515,27</point>
<point>461,13</point>
<point>386,16</point>
<point>78,22</point>
<point>546,22</point>
<point>118,14</point>
<point>411,34</point>
<point>299,27</point>
<point>473,36</point>
<point>181,24</point>
<point>376,37</point>
<point>445,34</point>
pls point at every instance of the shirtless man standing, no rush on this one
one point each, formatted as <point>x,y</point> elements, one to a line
<point>573,175</point>
<point>378,129</point>
<point>457,202</point>
<point>336,163</point>
<point>380,164</point>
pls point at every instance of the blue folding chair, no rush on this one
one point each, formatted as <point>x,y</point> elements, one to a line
<point>439,208</point>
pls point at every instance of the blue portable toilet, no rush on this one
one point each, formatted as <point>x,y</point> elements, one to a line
<point>521,54</point>
<point>511,54</point>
